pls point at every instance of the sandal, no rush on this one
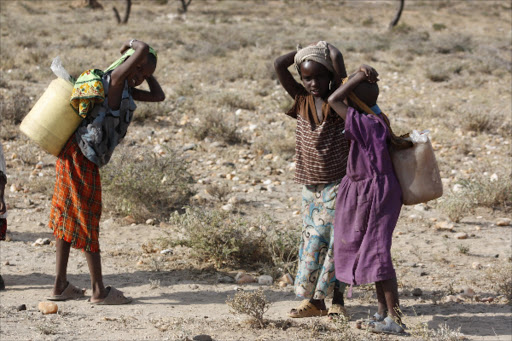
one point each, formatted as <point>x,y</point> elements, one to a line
<point>387,326</point>
<point>306,309</point>
<point>70,293</point>
<point>337,310</point>
<point>365,323</point>
<point>114,297</point>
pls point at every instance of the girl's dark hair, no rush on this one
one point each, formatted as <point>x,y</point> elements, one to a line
<point>366,94</point>
<point>151,58</point>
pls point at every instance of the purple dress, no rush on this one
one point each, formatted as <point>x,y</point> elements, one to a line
<point>368,204</point>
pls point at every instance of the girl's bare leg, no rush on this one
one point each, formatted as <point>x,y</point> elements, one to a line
<point>389,288</point>
<point>98,289</point>
<point>319,304</point>
<point>61,281</point>
<point>381,299</point>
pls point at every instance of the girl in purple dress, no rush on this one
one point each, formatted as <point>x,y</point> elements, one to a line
<point>368,202</point>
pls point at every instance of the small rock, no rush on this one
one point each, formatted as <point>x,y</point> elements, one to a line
<point>452,298</point>
<point>150,222</point>
<point>202,337</point>
<point>129,220</point>
<point>468,292</point>
<point>166,251</point>
<point>48,307</point>
<point>487,299</point>
<point>189,146</point>
<point>41,241</point>
<point>227,207</point>
<point>194,286</point>
<point>444,226</point>
<point>461,235</point>
<point>21,307</point>
<point>287,278</point>
<point>265,280</point>
<point>7,262</point>
<point>283,284</point>
<point>417,292</point>
<point>226,279</point>
<point>244,279</point>
<point>476,265</point>
<point>503,222</point>
<point>419,208</point>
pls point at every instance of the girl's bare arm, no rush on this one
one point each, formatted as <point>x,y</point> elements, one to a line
<point>338,64</point>
<point>120,73</point>
<point>155,93</point>
<point>337,98</point>
<point>281,65</point>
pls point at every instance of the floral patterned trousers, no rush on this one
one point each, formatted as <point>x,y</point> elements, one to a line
<point>315,274</point>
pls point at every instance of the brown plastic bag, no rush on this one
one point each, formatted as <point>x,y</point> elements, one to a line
<point>417,172</point>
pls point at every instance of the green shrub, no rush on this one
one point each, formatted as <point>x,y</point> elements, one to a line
<point>143,185</point>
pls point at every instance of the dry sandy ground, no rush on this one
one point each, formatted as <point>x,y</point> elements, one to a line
<point>184,302</point>
<point>174,298</point>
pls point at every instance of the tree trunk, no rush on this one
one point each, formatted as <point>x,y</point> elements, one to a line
<point>398,14</point>
<point>126,13</point>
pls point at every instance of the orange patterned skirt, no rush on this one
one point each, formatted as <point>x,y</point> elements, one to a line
<point>76,203</point>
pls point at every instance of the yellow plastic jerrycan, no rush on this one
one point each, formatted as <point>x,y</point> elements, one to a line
<point>52,120</point>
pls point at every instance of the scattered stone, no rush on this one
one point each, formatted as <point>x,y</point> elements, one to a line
<point>150,222</point>
<point>468,292</point>
<point>444,226</point>
<point>7,262</point>
<point>194,286</point>
<point>420,208</point>
<point>245,278</point>
<point>226,279</point>
<point>129,220</point>
<point>287,278</point>
<point>202,337</point>
<point>476,265</point>
<point>417,292</point>
<point>461,235</point>
<point>265,280</point>
<point>48,307</point>
<point>503,222</point>
<point>167,251</point>
<point>487,299</point>
<point>452,298</point>
<point>41,241</point>
<point>189,146</point>
<point>21,307</point>
<point>457,188</point>
<point>227,207</point>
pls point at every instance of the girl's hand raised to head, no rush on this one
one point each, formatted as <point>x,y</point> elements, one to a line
<point>371,74</point>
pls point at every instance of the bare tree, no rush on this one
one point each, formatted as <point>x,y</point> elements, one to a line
<point>126,13</point>
<point>184,5</point>
<point>397,15</point>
